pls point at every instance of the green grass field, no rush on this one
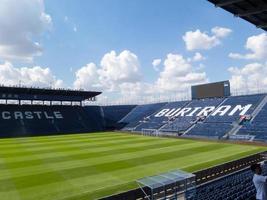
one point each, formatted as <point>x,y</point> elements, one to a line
<point>89,166</point>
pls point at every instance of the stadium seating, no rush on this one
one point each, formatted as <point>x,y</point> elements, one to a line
<point>217,126</point>
<point>132,119</point>
<point>157,117</point>
<point>182,123</point>
<point>238,186</point>
<point>113,114</point>
<point>145,118</point>
<point>237,100</point>
<point>258,127</point>
<point>211,130</point>
<point>153,122</point>
<point>33,120</point>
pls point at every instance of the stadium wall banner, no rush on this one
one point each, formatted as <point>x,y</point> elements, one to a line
<point>7,115</point>
<point>223,110</point>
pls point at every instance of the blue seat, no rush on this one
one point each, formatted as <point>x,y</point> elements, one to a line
<point>237,186</point>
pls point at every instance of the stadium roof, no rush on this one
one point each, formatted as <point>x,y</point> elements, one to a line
<point>253,11</point>
<point>45,94</point>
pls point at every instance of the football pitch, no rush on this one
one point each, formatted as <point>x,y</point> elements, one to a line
<point>90,166</point>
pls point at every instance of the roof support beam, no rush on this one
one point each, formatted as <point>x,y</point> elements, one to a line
<point>262,25</point>
<point>252,12</point>
<point>226,2</point>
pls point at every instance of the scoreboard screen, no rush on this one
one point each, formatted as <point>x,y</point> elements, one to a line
<point>218,89</point>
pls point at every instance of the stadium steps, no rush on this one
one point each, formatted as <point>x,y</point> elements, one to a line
<point>102,114</point>
<point>237,126</point>
<point>191,127</point>
<point>234,130</point>
<point>258,108</point>
<point>215,109</point>
<point>168,122</point>
<point>154,113</point>
<point>125,117</point>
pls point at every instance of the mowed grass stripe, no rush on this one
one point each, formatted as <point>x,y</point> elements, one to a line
<point>61,137</point>
<point>94,182</point>
<point>149,169</point>
<point>123,175</point>
<point>50,177</point>
<point>89,149</point>
<point>98,176</point>
<point>213,162</point>
<point>9,184</point>
<point>111,189</point>
<point>39,169</point>
<point>80,155</point>
<point>78,140</point>
<point>23,151</point>
<point>100,144</point>
<point>57,192</point>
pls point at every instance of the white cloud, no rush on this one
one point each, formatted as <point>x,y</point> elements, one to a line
<point>28,76</point>
<point>221,32</point>
<point>197,57</point>
<point>21,23</point>
<point>137,92</point>
<point>118,75</point>
<point>238,56</point>
<point>156,63</point>
<point>178,75</point>
<point>251,77</point>
<point>113,71</point>
<point>257,44</point>
<point>196,40</point>
<point>87,77</point>
<point>116,69</point>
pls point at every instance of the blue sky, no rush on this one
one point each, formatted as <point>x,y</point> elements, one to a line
<point>83,31</point>
<point>150,29</point>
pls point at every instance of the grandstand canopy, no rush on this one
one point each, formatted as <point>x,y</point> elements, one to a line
<point>162,180</point>
<point>44,94</point>
<point>176,182</point>
<point>253,11</point>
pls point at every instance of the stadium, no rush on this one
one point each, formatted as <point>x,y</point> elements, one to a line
<point>53,146</point>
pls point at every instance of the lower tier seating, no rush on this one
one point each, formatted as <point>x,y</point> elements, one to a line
<point>238,186</point>
<point>258,127</point>
<point>212,130</point>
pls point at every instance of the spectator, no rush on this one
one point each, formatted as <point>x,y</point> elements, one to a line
<point>260,182</point>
